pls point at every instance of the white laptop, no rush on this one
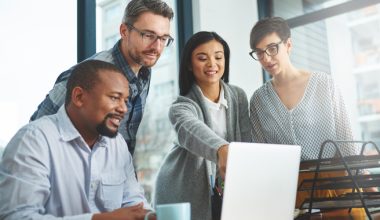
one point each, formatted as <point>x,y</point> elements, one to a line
<point>261,181</point>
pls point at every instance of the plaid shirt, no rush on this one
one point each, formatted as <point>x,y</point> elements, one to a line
<point>138,90</point>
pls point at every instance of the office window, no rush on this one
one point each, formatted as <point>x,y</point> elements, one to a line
<point>345,45</point>
<point>111,40</point>
<point>108,19</point>
<point>112,12</point>
<point>289,9</point>
<point>310,51</point>
<point>155,134</point>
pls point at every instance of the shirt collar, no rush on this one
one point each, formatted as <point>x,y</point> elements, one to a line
<point>120,61</point>
<point>221,102</point>
<point>68,131</point>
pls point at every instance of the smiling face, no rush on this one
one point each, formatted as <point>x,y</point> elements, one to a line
<point>104,106</point>
<point>207,63</point>
<point>278,63</point>
<point>137,51</point>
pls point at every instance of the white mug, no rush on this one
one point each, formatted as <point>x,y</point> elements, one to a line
<point>175,211</point>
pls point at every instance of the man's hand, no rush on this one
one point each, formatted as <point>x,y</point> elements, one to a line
<point>222,160</point>
<point>136,212</point>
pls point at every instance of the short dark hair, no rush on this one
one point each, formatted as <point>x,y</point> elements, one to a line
<point>136,7</point>
<point>268,26</point>
<point>186,76</point>
<point>86,75</point>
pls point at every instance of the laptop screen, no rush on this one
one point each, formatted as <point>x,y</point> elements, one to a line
<point>261,181</point>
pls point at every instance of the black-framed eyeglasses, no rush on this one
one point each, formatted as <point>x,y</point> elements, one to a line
<point>149,37</point>
<point>271,50</point>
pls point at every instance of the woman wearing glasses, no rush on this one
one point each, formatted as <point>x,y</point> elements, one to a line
<point>208,114</point>
<point>295,106</point>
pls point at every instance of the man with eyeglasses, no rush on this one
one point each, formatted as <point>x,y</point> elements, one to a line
<point>144,32</point>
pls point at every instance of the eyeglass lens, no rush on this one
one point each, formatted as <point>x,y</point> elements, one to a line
<point>271,50</point>
<point>149,38</point>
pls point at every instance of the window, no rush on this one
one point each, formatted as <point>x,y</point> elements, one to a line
<point>108,19</point>
<point>110,41</point>
<point>289,9</point>
<point>341,38</point>
<point>112,12</point>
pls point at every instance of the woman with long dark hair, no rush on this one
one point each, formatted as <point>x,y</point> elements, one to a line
<point>207,116</point>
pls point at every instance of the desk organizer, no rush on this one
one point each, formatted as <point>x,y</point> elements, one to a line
<point>353,179</point>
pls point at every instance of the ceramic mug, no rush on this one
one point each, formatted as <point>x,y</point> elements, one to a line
<point>175,211</point>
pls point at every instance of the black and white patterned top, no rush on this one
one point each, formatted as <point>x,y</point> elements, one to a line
<point>320,115</point>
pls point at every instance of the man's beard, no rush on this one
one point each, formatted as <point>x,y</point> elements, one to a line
<point>104,130</point>
<point>138,58</point>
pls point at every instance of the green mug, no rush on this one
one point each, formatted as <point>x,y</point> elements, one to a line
<point>175,211</point>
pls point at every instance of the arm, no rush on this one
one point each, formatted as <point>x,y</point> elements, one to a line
<point>239,108</point>
<point>222,160</point>
<point>54,99</point>
<point>24,178</point>
<point>244,121</point>
<point>193,134</point>
<point>25,171</point>
<point>257,131</point>
<point>342,123</point>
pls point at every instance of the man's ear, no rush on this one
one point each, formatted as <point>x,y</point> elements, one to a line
<point>77,96</point>
<point>124,31</point>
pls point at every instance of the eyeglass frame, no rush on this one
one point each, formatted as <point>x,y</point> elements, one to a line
<point>144,33</point>
<point>275,45</point>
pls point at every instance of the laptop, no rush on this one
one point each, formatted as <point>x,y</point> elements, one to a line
<point>261,181</point>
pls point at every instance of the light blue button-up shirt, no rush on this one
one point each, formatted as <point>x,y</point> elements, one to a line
<point>48,171</point>
<point>138,93</point>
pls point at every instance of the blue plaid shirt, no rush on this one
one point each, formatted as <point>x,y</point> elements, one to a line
<point>138,92</point>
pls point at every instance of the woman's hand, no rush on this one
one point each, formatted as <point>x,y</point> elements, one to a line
<point>222,160</point>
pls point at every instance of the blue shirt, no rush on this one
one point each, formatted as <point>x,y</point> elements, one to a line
<point>138,90</point>
<point>49,171</point>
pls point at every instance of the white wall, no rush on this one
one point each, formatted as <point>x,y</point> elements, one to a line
<point>38,42</point>
<point>232,20</point>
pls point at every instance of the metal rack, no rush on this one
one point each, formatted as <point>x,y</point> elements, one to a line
<point>353,180</point>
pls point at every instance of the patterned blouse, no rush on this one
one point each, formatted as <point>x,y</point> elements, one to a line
<point>320,115</point>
